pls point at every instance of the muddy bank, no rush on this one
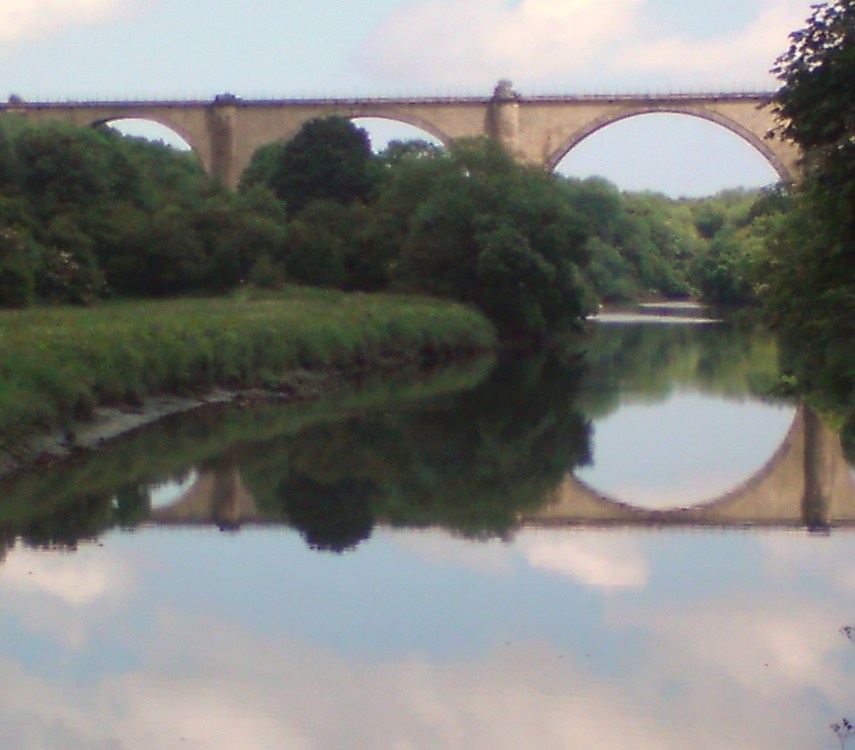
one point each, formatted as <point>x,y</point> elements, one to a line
<point>109,422</point>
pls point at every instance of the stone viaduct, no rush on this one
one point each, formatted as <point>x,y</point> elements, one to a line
<point>226,131</point>
<point>806,484</point>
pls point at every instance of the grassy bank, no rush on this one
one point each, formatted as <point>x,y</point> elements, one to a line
<point>58,365</point>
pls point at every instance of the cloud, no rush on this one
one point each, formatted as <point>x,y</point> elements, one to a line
<point>60,575</point>
<point>607,562</point>
<point>56,592</point>
<point>744,53</point>
<point>21,20</point>
<point>218,688</point>
<point>445,42</point>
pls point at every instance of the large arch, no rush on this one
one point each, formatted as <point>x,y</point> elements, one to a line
<point>610,118</point>
<point>805,483</point>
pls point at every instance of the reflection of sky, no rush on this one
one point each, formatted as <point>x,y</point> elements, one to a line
<point>686,449</point>
<point>555,639</point>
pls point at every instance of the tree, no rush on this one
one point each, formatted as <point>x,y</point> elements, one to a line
<point>815,100</point>
<point>811,276</point>
<point>481,228</point>
<point>328,159</point>
<point>816,104</point>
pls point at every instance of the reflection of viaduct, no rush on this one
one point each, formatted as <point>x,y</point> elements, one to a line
<point>806,483</point>
<point>227,131</point>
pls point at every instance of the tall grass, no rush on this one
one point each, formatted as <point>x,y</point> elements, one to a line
<point>59,364</point>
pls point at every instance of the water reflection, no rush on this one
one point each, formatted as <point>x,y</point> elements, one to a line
<point>422,640</point>
<point>548,617</point>
<point>682,415</point>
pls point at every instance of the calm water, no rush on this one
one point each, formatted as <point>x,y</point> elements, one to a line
<point>627,551</point>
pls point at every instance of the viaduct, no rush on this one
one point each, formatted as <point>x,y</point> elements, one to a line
<point>806,484</point>
<point>226,131</point>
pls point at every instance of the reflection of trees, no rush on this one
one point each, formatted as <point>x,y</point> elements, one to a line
<point>824,376</point>
<point>70,524</point>
<point>471,462</point>
<point>332,517</point>
<point>651,361</point>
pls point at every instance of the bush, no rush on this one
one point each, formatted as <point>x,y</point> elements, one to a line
<point>17,277</point>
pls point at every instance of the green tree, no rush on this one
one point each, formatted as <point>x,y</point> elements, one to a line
<point>810,293</point>
<point>17,277</point>
<point>328,159</point>
<point>473,200</point>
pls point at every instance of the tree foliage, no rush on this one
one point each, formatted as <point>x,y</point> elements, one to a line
<point>810,291</point>
<point>328,159</point>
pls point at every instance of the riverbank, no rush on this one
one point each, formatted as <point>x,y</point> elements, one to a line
<point>72,377</point>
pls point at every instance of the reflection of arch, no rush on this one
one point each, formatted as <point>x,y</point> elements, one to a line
<point>805,483</point>
<point>708,115</point>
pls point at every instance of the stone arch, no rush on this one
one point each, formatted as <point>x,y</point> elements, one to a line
<point>198,149</point>
<point>287,131</point>
<point>404,119</point>
<point>703,113</point>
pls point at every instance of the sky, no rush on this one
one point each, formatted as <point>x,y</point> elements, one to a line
<point>118,49</point>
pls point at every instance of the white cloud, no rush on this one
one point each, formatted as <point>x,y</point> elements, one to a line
<point>26,19</point>
<point>445,42</point>
<point>748,52</point>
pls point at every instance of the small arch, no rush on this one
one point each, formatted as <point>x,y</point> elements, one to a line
<point>746,136</point>
<point>398,127</point>
<point>150,128</point>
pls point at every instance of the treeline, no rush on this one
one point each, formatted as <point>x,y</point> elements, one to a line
<point>86,214</point>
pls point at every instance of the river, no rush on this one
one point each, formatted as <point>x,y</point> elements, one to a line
<point>637,546</point>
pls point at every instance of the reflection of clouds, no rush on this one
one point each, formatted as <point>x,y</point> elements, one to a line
<point>234,690</point>
<point>772,649</point>
<point>595,559</point>
<point>78,579</point>
<point>63,593</point>
<point>789,556</point>
<point>710,670</point>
